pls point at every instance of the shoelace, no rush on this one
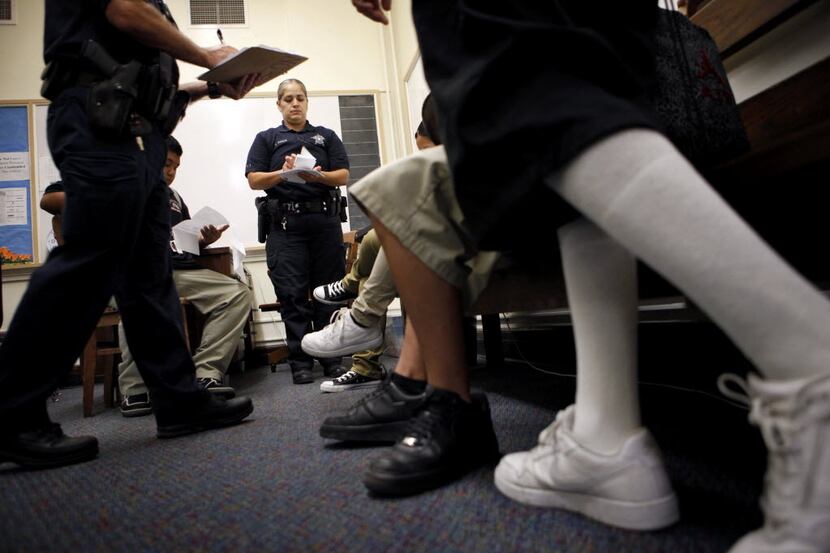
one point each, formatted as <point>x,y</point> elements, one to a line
<point>420,427</point>
<point>338,315</point>
<point>784,488</point>
<point>346,377</point>
<point>549,436</point>
<point>336,289</point>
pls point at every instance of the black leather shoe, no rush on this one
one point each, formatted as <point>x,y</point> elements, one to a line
<point>446,439</point>
<point>47,447</point>
<point>213,413</point>
<point>302,376</point>
<point>335,370</point>
<point>381,416</point>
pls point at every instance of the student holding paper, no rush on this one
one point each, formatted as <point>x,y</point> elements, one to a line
<point>224,301</point>
<point>304,246</point>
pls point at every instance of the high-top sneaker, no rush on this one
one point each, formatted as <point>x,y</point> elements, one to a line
<point>794,417</point>
<point>628,488</point>
<point>446,438</point>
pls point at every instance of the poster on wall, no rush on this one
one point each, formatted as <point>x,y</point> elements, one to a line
<point>16,240</point>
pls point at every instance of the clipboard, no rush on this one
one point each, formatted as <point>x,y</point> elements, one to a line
<point>268,61</point>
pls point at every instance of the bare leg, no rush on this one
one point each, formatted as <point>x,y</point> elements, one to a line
<point>411,363</point>
<point>434,307</point>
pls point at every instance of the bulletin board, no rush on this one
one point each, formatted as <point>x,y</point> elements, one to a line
<point>18,230</point>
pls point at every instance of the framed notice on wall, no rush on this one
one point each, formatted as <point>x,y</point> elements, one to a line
<point>16,232</point>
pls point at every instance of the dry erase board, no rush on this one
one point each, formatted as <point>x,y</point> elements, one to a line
<point>216,136</point>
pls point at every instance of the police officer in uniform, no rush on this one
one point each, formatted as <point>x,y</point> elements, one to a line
<point>305,244</point>
<point>112,78</point>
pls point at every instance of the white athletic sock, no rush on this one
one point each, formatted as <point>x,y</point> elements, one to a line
<point>602,294</point>
<point>637,188</point>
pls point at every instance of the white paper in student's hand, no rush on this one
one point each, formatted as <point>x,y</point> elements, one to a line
<point>186,240</point>
<point>187,233</point>
<point>208,216</point>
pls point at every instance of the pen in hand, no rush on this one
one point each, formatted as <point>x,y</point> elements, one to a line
<point>221,38</point>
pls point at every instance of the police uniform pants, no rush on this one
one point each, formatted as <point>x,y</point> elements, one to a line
<point>307,253</point>
<point>225,302</point>
<point>116,230</point>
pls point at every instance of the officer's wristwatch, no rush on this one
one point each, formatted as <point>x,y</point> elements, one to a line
<point>213,90</point>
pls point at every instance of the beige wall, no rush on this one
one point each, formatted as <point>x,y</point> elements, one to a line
<point>21,52</point>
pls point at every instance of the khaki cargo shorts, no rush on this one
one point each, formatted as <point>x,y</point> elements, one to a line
<point>415,199</point>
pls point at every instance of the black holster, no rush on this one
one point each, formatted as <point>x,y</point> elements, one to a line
<point>263,221</point>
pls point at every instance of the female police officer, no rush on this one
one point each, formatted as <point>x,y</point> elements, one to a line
<point>305,243</point>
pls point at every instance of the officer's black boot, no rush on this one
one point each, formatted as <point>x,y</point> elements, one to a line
<point>446,438</point>
<point>213,411</point>
<point>302,375</point>
<point>46,447</point>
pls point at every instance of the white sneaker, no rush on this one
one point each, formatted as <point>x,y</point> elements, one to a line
<point>629,489</point>
<point>350,380</point>
<point>341,337</point>
<point>794,417</point>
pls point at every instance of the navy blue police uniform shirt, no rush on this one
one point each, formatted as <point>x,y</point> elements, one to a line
<point>270,147</point>
<point>70,24</point>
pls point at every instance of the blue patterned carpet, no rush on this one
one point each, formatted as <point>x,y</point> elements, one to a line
<point>272,484</point>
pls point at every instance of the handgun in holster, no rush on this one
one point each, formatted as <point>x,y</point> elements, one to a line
<point>263,221</point>
<point>110,103</point>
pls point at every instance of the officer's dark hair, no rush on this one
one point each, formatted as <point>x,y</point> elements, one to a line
<point>429,116</point>
<point>422,131</point>
<point>285,83</point>
<point>173,145</point>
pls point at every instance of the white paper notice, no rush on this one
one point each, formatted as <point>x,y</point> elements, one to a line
<point>13,206</point>
<point>186,234</point>
<point>14,166</point>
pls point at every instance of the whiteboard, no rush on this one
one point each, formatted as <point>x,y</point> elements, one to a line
<point>216,136</point>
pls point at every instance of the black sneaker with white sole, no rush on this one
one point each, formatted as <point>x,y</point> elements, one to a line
<point>350,380</point>
<point>380,416</point>
<point>136,405</point>
<point>216,386</point>
<point>333,293</point>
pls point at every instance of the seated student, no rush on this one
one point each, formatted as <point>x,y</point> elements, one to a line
<point>629,192</point>
<point>361,327</point>
<point>225,302</point>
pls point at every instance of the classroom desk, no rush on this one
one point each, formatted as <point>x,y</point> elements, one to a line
<point>217,259</point>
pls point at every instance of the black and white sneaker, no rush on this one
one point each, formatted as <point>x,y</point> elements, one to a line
<point>136,405</point>
<point>216,386</point>
<point>349,381</point>
<point>333,294</point>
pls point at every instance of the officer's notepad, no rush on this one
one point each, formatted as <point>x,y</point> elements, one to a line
<point>268,61</point>
<point>303,163</point>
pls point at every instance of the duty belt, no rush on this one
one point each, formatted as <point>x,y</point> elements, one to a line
<point>311,206</point>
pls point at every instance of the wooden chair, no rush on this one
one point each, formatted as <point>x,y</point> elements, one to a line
<point>95,349</point>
